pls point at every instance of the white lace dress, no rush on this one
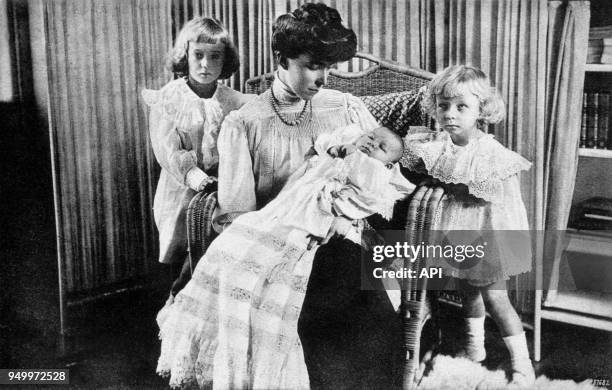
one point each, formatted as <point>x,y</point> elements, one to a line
<point>184,130</point>
<point>494,205</point>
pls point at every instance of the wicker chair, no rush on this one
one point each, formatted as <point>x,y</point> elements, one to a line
<point>380,78</point>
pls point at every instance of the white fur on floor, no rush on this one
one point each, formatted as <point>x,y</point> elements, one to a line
<point>460,373</point>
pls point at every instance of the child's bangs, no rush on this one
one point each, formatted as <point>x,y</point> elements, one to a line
<point>209,34</point>
<point>456,87</point>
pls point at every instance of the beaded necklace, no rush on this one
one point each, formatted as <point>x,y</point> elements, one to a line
<point>297,120</point>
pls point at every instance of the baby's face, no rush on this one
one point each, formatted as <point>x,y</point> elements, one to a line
<point>381,144</point>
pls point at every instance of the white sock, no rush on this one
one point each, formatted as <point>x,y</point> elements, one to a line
<point>519,355</point>
<point>475,339</point>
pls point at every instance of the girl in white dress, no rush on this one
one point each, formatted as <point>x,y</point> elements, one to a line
<point>185,119</point>
<point>235,324</point>
<point>484,196</point>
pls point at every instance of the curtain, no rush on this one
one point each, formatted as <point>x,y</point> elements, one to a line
<point>99,56</point>
<point>567,51</point>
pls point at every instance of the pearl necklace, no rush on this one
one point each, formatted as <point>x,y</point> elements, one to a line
<point>294,122</point>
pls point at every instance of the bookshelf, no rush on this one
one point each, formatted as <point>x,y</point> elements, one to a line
<point>577,281</point>
<point>599,67</point>
<point>599,153</point>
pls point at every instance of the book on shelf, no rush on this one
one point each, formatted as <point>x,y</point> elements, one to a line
<point>599,50</point>
<point>600,32</point>
<point>595,132</point>
<point>594,51</point>
<point>606,51</point>
<point>604,121</point>
<point>583,124</point>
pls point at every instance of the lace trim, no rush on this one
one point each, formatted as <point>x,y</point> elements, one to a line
<point>186,109</point>
<point>482,165</point>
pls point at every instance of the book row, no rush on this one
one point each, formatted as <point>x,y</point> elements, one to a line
<point>595,128</point>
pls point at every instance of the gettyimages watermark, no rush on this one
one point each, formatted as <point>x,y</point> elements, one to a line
<point>436,259</point>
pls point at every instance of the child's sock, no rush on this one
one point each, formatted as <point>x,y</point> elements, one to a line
<point>474,348</point>
<point>523,374</point>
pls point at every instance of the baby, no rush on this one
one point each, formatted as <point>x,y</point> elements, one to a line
<point>353,175</point>
<point>381,144</point>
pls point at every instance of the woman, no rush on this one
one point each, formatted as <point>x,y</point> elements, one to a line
<point>208,333</point>
<point>344,339</point>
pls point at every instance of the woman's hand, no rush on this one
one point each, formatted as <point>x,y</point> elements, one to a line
<point>340,227</point>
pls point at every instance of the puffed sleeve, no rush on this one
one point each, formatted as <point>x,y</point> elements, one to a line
<point>236,190</point>
<point>167,144</point>
<point>359,113</point>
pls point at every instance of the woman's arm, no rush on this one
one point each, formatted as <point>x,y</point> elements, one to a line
<point>236,193</point>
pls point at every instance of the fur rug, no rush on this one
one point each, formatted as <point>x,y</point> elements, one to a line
<point>459,374</point>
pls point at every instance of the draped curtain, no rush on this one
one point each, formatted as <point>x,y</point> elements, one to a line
<point>567,52</point>
<point>99,56</point>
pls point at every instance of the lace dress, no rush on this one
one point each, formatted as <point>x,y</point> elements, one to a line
<point>493,205</point>
<point>184,130</point>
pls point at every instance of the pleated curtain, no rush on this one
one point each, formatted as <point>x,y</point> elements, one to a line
<point>100,55</point>
<point>567,52</point>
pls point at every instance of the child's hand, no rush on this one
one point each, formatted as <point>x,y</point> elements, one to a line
<point>206,182</point>
<point>334,151</point>
<point>341,150</point>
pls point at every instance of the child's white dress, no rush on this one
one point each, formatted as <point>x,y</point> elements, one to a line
<point>235,323</point>
<point>183,128</point>
<point>494,204</point>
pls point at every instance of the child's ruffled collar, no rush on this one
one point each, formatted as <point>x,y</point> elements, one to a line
<point>482,165</point>
<point>183,106</point>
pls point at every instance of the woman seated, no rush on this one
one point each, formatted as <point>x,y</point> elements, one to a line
<point>350,337</point>
<point>235,323</point>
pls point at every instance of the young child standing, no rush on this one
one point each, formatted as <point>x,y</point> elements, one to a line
<point>482,176</point>
<point>185,118</point>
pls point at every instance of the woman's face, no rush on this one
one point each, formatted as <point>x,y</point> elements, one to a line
<point>205,61</point>
<point>305,76</point>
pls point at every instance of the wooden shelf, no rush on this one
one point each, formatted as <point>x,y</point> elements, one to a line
<point>577,319</point>
<point>599,153</point>
<point>598,67</point>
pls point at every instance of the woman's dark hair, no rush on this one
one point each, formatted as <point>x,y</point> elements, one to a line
<point>202,30</point>
<point>313,29</point>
